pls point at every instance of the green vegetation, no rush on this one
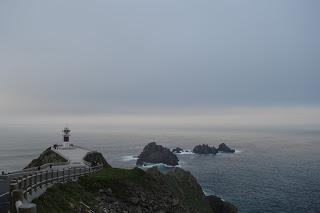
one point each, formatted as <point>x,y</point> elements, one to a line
<point>115,179</point>
<point>64,198</point>
<point>115,174</point>
<point>96,157</point>
<point>178,191</point>
<point>67,197</point>
<point>185,187</point>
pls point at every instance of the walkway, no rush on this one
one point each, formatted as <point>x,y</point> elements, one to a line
<point>75,155</point>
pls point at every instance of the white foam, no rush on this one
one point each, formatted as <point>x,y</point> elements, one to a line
<point>207,191</point>
<point>151,165</point>
<point>237,151</point>
<point>129,158</point>
<point>186,152</point>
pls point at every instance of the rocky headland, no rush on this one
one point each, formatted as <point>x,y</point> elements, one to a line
<point>47,156</point>
<point>129,190</point>
<point>135,191</point>
<point>153,153</point>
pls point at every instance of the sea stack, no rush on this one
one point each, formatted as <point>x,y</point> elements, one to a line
<point>177,150</point>
<point>205,149</point>
<point>224,148</point>
<point>153,153</point>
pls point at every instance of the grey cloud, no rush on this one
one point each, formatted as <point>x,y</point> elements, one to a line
<point>70,56</point>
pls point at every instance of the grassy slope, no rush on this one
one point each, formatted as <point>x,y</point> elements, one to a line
<point>48,156</point>
<point>96,157</point>
<point>65,197</point>
<point>124,183</point>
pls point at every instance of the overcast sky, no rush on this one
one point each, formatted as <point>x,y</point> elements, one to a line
<point>111,57</point>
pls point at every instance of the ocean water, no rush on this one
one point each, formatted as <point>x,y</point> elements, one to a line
<point>272,170</point>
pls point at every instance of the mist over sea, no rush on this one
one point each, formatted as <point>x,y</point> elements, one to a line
<point>273,170</point>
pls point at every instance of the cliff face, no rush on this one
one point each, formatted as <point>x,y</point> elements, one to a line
<point>185,189</point>
<point>218,205</point>
<point>121,190</point>
<point>47,156</point>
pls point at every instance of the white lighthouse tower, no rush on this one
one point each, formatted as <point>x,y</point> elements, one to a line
<point>66,137</point>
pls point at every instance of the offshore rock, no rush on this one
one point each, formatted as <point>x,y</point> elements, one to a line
<point>224,148</point>
<point>153,153</point>
<point>204,149</point>
<point>177,150</point>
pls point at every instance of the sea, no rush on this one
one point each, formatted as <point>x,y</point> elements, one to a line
<point>273,170</point>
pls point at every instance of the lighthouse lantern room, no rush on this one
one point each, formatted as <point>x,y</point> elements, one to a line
<point>66,137</point>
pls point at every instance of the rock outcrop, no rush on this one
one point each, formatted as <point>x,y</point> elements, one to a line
<point>135,191</point>
<point>177,150</point>
<point>204,149</point>
<point>153,153</point>
<point>218,205</point>
<point>224,148</point>
<point>47,156</point>
<point>95,158</point>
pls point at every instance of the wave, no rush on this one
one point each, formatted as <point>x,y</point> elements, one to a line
<point>186,152</point>
<point>206,191</point>
<point>237,151</point>
<point>189,152</point>
<point>129,158</point>
<point>159,165</point>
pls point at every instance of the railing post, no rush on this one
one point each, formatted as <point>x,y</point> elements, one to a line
<point>25,186</point>
<point>63,175</point>
<point>25,182</point>
<point>35,182</point>
<point>47,178</point>
<point>16,195</point>
<point>19,182</point>
<point>28,208</point>
<point>30,183</point>
<point>40,180</point>
<point>74,172</point>
<point>13,186</point>
<point>69,171</point>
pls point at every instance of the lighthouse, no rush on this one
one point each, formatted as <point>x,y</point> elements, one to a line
<point>66,137</point>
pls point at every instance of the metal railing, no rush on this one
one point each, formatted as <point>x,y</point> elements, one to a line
<point>4,194</point>
<point>33,185</point>
<point>47,165</point>
<point>4,202</point>
<point>36,168</point>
